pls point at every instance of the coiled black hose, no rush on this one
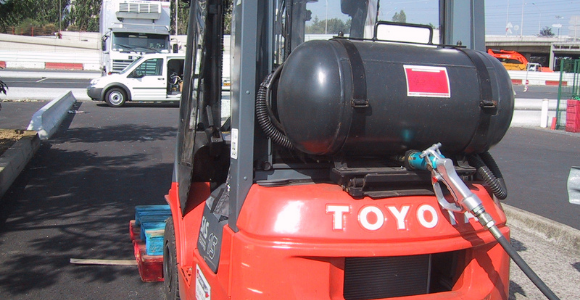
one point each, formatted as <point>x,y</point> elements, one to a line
<point>489,171</point>
<point>264,119</point>
<point>492,165</point>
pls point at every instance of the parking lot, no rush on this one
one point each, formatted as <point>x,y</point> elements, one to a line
<point>76,198</point>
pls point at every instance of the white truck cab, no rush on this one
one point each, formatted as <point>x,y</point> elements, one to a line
<point>151,78</point>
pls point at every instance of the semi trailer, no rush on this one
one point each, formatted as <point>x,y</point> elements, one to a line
<point>131,28</point>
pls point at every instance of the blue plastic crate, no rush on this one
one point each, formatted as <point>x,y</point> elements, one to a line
<point>150,226</point>
<point>151,213</point>
<point>154,241</point>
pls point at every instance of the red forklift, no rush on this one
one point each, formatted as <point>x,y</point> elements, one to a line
<point>344,166</point>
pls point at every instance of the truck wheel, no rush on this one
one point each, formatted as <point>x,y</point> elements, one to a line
<point>170,280</point>
<point>115,97</point>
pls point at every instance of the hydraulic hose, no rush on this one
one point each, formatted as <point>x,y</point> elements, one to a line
<point>264,119</point>
<point>492,176</point>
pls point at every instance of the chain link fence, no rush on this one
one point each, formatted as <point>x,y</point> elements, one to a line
<point>567,90</point>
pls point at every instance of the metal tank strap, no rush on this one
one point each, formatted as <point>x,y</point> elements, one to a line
<point>486,103</point>
<point>359,82</point>
<point>359,101</point>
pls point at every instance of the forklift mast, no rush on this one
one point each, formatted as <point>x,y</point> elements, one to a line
<point>303,188</point>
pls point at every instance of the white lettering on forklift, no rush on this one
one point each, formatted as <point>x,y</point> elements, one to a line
<point>337,215</point>
<point>421,216</point>
<point>364,221</point>
<point>202,287</point>
<point>234,144</point>
<point>204,227</point>
<point>400,216</point>
<point>373,218</point>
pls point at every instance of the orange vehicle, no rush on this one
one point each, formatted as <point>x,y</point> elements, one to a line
<point>310,178</point>
<point>513,60</point>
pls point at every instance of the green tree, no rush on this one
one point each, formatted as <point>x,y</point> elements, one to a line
<point>400,17</point>
<point>228,17</point>
<point>12,12</point>
<point>334,26</point>
<point>546,32</point>
<point>182,17</point>
<point>316,26</point>
<point>15,12</point>
<point>84,15</point>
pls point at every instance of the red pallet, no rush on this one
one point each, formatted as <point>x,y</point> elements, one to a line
<point>573,116</point>
<point>150,266</point>
<point>134,231</point>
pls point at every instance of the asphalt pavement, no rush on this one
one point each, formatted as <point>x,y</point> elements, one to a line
<point>536,92</point>
<point>535,164</point>
<point>72,83</point>
<point>76,198</point>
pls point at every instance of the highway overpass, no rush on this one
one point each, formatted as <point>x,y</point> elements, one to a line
<point>544,50</point>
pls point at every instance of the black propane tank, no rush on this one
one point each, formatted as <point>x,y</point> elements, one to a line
<point>374,98</point>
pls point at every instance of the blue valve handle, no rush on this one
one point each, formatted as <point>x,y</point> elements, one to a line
<point>443,171</point>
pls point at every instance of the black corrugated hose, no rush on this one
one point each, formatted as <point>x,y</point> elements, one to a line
<point>263,117</point>
<point>489,171</point>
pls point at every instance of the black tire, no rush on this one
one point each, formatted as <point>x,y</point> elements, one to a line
<point>116,97</point>
<point>170,280</point>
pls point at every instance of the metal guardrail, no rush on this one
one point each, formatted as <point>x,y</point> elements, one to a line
<point>72,57</point>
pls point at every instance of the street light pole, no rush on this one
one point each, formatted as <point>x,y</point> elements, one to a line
<point>507,17</point>
<point>522,21</point>
<point>540,20</point>
<point>326,21</point>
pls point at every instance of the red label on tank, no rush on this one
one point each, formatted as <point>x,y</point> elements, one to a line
<point>427,81</point>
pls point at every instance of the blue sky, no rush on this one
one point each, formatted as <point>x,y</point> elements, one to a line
<point>536,14</point>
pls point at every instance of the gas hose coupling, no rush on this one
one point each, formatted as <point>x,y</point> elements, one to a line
<point>442,170</point>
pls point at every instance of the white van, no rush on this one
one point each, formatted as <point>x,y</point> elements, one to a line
<point>151,78</point>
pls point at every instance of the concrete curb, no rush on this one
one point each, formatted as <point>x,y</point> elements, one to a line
<point>46,120</point>
<point>559,234</point>
<point>13,161</point>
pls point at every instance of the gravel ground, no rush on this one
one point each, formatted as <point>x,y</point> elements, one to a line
<point>559,268</point>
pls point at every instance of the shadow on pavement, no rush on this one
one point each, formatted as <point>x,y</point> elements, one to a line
<point>75,200</point>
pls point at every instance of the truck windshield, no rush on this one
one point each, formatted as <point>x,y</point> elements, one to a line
<point>149,43</point>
